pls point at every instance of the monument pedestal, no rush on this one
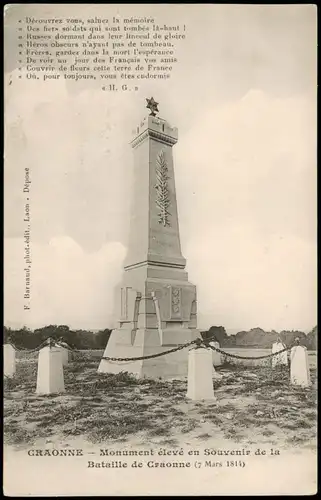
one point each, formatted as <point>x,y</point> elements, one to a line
<point>173,365</point>
<point>155,302</point>
<point>157,314</point>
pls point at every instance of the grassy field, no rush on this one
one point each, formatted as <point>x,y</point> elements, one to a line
<point>254,405</point>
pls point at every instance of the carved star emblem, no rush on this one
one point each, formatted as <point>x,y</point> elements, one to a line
<point>152,105</point>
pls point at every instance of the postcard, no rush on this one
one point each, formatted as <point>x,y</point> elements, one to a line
<point>160,250</point>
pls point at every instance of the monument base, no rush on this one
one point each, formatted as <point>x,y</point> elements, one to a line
<point>127,344</point>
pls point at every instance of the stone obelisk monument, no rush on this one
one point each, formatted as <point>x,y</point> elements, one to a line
<point>156,304</point>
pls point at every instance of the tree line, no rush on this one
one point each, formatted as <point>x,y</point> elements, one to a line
<point>258,338</point>
<point>86,339</point>
<point>79,339</point>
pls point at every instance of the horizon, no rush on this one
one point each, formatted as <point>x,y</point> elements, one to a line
<point>230,331</point>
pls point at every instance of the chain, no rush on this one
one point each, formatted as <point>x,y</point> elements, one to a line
<point>236,356</point>
<point>48,342</point>
<point>198,343</point>
<point>150,356</point>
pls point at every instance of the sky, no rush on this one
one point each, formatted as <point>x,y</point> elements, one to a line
<point>243,96</point>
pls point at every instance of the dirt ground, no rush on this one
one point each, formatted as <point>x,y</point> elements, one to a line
<point>254,406</point>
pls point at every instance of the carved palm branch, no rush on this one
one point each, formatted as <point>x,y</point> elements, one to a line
<point>162,192</point>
